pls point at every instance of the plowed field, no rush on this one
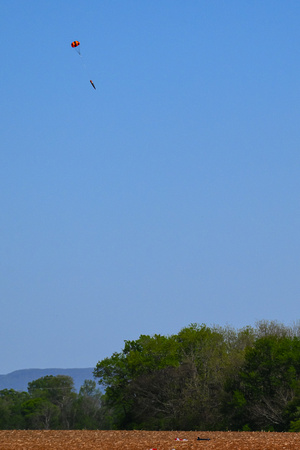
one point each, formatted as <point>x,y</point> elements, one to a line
<point>146,440</point>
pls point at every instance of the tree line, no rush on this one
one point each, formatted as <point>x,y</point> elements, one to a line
<point>203,378</point>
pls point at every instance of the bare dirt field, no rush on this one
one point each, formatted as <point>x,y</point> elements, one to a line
<point>146,440</point>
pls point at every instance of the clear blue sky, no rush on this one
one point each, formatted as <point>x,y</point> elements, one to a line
<point>170,195</point>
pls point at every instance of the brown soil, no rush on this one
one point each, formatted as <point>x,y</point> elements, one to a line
<point>146,440</point>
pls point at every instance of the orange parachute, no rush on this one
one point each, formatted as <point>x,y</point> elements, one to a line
<point>76,45</point>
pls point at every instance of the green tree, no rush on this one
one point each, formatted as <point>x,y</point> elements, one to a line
<point>295,424</point>
<point>118,373</point>
<point>203,353</point>
<point>88,407</point>
<point>267,383</point>
<point>58,390</point>
<point>40,413</point>
<point>166,382</point>
<point>11,409</point>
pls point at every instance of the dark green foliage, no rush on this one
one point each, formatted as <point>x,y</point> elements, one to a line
<point>11,416</point>
<point>139,360</point>
<point>40,413</point>
<point>295,424</point>
<point>51,403</point>
<point>269,379</point>
<point>59,392</point>
<point>265,394</point>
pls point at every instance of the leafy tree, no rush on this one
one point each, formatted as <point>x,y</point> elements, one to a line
<point>204,354</point>
<point>166,382</point>
<point>40,413</point>
<point>159,400</point>
<point>138,358</point>
<point>88,406</point>
<point>268,382</point>
<point>295,424</point>
<point>58,390</point>
<point>10,409</point>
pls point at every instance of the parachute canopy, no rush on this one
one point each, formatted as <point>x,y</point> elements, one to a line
<point>75,44</point>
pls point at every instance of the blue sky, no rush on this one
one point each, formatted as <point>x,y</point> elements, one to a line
<point>168,196</point>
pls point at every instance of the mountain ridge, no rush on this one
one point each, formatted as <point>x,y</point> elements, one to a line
<point>19,379</point>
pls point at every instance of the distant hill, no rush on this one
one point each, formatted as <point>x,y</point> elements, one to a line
<point>19,379</point>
